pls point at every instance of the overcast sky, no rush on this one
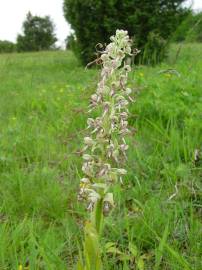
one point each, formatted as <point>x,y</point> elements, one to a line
<point>13,12</point>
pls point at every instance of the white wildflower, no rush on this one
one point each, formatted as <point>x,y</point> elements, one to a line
<point>106,146</point>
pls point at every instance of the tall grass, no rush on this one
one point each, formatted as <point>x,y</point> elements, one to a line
<point>42,117</point>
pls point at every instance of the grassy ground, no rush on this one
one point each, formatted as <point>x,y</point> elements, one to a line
<point>43,105</point>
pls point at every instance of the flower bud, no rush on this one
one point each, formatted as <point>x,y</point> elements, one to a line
<point>87,157</point>
<point>121,171</point>
<point>88,141</point>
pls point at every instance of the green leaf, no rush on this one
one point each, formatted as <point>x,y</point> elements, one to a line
<point>92,254</point>
<point>133,249</point>
<point>109,244</point>
<point>159,251</point>
<point>80,266</point>
<point>125,257</point>
<point>114,250</point>
<point>97,215</point>
<point>181,260</point>
<point>140,263</point>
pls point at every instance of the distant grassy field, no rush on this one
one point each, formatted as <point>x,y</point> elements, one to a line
<point>43,111</point>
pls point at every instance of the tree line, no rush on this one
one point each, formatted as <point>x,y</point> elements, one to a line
<point>151,25</point>
<point>38,34</point>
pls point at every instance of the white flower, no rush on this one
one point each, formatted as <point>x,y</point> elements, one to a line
<point>88,141</point>
<point>106,146</point>
<point>87,157</point>
<point>121,171</point>
<point>85,180</point>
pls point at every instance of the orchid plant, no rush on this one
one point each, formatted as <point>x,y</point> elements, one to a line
<point>105,147</point>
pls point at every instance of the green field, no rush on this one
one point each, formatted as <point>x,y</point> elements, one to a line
<point>43,111</point>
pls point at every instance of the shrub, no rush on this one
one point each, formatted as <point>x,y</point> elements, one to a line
<point>190,29</point>
<point>94,20</point>
<point>7,46</point>
<point>71,42</point>
<point>195,32</point>
<point>155,49</point>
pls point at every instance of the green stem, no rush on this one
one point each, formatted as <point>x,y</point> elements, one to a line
<point>97,216</point>
<point>92,253</point>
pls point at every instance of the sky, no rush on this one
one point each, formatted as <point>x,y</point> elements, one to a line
<point>13,12</point>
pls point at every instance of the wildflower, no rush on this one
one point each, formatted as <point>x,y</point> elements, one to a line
<point>105,145</point>
<point>121,171</point>
<point>87,157</point>
<point>88,141</point>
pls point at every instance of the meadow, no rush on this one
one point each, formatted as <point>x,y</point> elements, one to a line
<point>43,111</point>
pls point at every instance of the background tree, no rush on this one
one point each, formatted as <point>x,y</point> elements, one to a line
<point>190,29</point>
<point>7,46</point>
<point>38,34</point>
<point>70,42</point>
<point>95,20</point>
